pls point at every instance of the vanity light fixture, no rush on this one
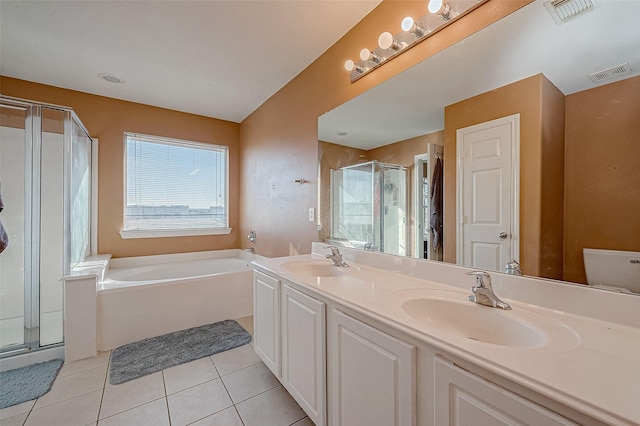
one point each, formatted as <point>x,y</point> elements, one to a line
<point>440,8</point>
<point>351,66</point>
<point>413,32</point>
<point>367,55</point>
<point>388,41</point>
<point>410,26</point>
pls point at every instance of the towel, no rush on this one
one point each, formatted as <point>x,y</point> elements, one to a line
<point>4,238</point>
<point>435,221</point>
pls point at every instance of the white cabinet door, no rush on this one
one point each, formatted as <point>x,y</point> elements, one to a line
<point>463,398</point>
<point>266,320</point>
<point>372,375</point>
<point>303,352</point>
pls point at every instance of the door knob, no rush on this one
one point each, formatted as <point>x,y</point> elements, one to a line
<point>502,235</point>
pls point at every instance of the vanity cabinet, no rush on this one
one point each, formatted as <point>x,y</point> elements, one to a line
<point>462,398</point>
<point>290,338</point>
<point>347,368</point>
<point>371,374</point>
<point>266,320</point>
<point>304,351</point>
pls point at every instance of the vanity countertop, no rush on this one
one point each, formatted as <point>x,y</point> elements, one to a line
<point>592,365</point>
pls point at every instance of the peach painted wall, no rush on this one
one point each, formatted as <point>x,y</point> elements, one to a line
<point>602,173</point>
<point>552,178</point>
<point>527,98</point>
<point>107,119</point>
<point>279,139</point>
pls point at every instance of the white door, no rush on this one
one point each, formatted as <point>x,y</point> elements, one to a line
<point>487,198</point>
<point>303,352</point>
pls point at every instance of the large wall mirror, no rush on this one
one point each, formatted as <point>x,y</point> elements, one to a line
<point>574,92</point>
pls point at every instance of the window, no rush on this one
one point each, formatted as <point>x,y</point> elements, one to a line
<point>174,187</point>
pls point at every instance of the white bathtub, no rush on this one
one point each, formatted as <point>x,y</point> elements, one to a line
<point>141,297</point>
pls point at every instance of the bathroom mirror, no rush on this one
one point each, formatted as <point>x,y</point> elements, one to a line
<point>397,119</point>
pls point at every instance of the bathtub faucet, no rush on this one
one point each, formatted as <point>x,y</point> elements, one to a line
<point>336,257</point>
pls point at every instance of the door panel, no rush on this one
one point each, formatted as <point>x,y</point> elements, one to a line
<point>487,193</point>
<point>266,320</point>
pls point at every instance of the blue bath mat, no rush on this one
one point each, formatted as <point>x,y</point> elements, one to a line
<point>26,383</point>
<point>148,356</point>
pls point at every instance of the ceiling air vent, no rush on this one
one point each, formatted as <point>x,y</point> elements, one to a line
<point>563,10</point>
<point>610,73</point>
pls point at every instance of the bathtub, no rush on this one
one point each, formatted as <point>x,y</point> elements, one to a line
<point>142,297</point>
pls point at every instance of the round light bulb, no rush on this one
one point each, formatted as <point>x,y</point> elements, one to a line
<point>434,6</point>
<point>349,65</point>
<point>365,54</point>
<point>385,41</point>
<point>407,23</point>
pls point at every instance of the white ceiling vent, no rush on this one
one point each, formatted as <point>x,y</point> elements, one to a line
<point>610,73</point>
<point>563,10</point>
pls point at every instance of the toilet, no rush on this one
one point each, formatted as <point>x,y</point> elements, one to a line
<point>613,269</point>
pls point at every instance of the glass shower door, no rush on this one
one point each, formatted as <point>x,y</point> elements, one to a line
<point>394,210</point>
<point>50,161</point>
<point>45,185</point>
<point>15,192</point>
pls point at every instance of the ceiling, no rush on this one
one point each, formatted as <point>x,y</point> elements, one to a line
<point>523,44</point>
<point>215,58</point>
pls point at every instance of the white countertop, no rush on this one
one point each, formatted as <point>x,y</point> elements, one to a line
<point>592,365</point>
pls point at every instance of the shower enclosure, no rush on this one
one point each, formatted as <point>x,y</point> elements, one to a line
<point>369,207</point>
<point>45,185</point>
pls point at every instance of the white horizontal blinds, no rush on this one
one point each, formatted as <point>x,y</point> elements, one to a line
<point>173,185</point>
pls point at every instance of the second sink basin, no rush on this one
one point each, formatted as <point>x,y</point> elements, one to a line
<point>475,322</point>
<point>315,268</point>
<point>449,313</point>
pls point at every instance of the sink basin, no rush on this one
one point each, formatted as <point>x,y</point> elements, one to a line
<point>315,268</point>
<point>476,322</point>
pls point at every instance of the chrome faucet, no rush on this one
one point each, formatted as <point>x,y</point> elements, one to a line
<point>513,268</point>
<point>483,292</point>
<point>336,257</point>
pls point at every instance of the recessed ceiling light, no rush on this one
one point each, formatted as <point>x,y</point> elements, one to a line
<point>111,78</point>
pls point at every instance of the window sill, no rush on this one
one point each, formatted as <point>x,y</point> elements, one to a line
<point>155,233</point>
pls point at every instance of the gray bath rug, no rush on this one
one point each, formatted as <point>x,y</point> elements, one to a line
<point>26,383</point>
<point>147,356</point>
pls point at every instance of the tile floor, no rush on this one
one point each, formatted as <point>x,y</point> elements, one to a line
<point>232,388</point>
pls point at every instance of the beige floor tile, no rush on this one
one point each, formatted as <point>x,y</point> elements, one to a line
<point>235,359</point>
<point>304,422</point>
<point>19,420</point>
<point>198,402</point>
<point>248,382</point>
<point>122,397</point>
<point>78,411</point>
<point>152,414</point>
<point>228,417</point>
<point>246,323</point>
<point>73,385</point>
<point>14,410</point>
<point>85,364</point>
<point>273,408</point>
<point>190,374</point>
